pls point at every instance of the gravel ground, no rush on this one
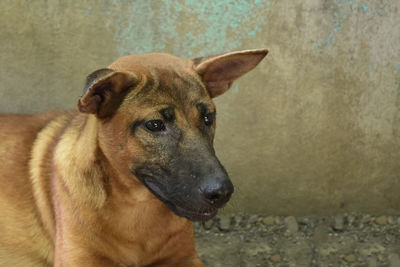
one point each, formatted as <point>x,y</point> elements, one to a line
<point>343,240</point>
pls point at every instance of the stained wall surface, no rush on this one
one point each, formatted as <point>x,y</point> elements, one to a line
<point>315,129</point>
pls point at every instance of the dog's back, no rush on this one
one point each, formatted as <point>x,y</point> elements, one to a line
<point>20,225</point>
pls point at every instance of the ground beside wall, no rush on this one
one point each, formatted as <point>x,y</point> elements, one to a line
<point>354,240</point>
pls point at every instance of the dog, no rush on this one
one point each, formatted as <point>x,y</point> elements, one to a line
<point>118,181</point>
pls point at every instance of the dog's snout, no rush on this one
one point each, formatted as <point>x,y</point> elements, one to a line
<point>217,192</point>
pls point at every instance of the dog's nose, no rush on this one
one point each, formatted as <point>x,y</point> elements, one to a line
<point>217,192</point>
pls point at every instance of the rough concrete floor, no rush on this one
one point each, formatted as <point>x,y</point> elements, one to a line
<point>344,240</point>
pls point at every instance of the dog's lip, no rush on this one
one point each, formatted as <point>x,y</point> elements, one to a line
<point>201,215</point>
<point>196,216</point>
<point>154,188</point>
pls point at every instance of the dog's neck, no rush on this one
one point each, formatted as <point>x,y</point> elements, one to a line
<point>87,172</point>
<point>78,166</point>
<point>85,175</point>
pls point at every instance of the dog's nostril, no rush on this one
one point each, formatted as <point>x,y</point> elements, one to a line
<point>216,196</point>
<point>216,191</point>
<point>213,197</point>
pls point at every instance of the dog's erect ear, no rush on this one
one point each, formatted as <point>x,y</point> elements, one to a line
<point>104,91</point>
<point>218,72</point>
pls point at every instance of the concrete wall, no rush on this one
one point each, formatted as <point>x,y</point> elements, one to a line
<point>315,129</point>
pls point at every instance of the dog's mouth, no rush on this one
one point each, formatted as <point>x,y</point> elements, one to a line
<point>191,214</point>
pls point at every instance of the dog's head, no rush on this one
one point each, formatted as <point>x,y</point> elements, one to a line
<point>157,124</point>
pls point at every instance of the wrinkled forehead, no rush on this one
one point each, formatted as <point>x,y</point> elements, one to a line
<point>166,86</point>
<point>164,79</point>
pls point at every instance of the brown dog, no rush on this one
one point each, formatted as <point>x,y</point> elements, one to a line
<point>115,183</point>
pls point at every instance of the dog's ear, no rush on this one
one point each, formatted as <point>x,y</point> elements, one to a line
<point>104,91</point>
<point>218,72</point>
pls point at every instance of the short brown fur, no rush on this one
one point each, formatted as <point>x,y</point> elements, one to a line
<point>67,197</point>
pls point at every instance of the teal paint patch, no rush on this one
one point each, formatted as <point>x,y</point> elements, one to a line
<point>373,67</point>
<point>217,26</point>
<point>364,8</point>
<point>133,30</point>
<point>398,66</point>
<point>235,89</point>
<point>342,10</point>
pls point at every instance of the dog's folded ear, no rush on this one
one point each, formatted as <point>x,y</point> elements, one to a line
<point>104,91</point>
<point>218,72</point>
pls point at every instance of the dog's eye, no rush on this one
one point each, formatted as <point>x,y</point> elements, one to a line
<point>208,119</point>
<point>155,125</point>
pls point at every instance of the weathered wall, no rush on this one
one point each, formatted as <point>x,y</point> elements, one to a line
<point>315,129</point>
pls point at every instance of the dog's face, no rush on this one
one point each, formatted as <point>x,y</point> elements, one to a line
<point>158,123</point>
